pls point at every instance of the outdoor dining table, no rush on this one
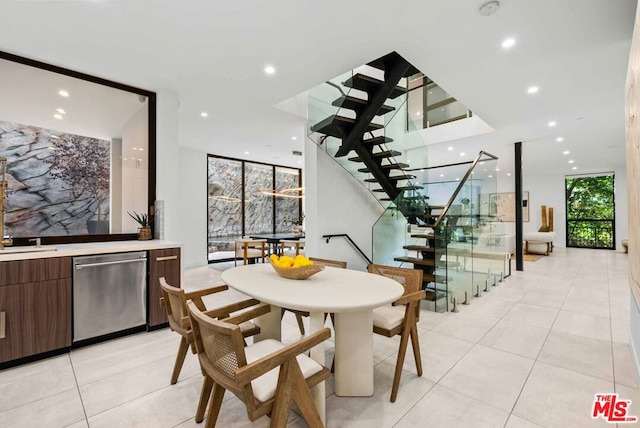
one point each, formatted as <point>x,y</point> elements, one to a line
<point>350,294</point>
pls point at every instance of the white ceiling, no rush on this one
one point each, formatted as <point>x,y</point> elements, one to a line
<point>212,54</point>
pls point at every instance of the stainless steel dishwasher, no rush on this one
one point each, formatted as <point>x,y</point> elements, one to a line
<point>109,293</point>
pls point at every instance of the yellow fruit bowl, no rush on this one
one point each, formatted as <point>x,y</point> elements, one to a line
<point>297,273</point>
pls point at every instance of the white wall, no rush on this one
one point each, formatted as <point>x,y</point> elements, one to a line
<point>193,207</point>
<point>168,174</point>
<point>336,203</point>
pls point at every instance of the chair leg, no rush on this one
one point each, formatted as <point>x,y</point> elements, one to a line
<point>415,344</point>
<point>282,399</point>
<point>182,352</point>
<point>207,385</point>
<point>302,396</point>
<point>214,406</point>
<point>300,323</point>
<point>409,319</point>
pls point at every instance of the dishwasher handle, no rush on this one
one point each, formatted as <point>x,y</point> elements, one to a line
<point>115,262</point>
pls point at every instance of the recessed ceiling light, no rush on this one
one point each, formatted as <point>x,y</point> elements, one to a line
<point>457,179</point>
<point>408,161</point>
<point>571,161</point>
<point>566,152</point>
<point>497,169</point>
<point>135,148</point>
<point>204,114</point>
<point>269,69</point>
<point>430,92</point>
<point>490,176</point>
<point>441,175</point>
<point>61,111</point>
<point>246,153</point>
<point>552,124</point>
<point>58,116</point>
<point>294,138</point>
<point>575,167</point>
<point>299,162</point>
<point>449,148</point>
<point>141,149</point>
<point>64,93</point>
<point>508,43</point>
<point>532,89</point>
<point>559,139</point>
<point>508,174</point>
<point>417,113</point>
<point>462,154</point>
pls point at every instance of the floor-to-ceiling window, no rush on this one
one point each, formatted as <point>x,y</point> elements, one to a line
<point>246,198</point>
<point>590,211</point>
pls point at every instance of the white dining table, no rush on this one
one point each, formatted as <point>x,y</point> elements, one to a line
<point>350,294</point>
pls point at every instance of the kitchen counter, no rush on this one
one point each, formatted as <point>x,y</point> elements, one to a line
<point>83,249</point>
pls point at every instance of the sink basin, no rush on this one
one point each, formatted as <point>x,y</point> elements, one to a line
<point>17,250</point>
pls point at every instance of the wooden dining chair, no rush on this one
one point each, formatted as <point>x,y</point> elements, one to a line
<point>401,317</point>
<point>175,302</point>
<point>297,247</point>
<point>266,376</point>
<point>249,249</point>
<point>300,314</point>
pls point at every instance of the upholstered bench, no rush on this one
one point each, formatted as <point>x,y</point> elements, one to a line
<point>539,242</point>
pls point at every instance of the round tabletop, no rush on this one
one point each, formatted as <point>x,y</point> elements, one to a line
<point>331,290</point>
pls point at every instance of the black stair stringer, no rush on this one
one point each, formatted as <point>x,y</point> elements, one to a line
<point>376,101</point>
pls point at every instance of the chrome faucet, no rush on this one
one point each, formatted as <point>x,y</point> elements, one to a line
<point>3,204</point>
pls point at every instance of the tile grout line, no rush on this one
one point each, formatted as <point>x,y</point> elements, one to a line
<point>524,384</point>
<point>75,378</point>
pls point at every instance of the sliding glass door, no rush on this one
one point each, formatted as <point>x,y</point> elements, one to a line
<point>246,198</point>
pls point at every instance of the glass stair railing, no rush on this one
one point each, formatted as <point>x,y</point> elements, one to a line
<point>459,250</point>
<point>430,105</point>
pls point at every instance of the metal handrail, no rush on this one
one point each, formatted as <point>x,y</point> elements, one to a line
<point>344,235</point>
<point>462,182</point>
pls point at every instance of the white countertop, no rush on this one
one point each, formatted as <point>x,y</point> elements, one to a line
<point>331,290</point>
<point>83,249</point>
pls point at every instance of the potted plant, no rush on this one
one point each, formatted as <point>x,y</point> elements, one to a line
<point>144,220</point>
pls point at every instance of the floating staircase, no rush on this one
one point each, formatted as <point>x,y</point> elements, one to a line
<point>356,125</point>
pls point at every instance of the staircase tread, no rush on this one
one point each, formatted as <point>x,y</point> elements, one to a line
<point>368,84</point>
<point>335,126</point>
<point>398,165</point>
<point>392,57</point>
<point>415,261</point>
<point>414,247</point>
<point>377,140</point>
<point>382,154</point>
<point>395,177</point>
<point>354,103</point>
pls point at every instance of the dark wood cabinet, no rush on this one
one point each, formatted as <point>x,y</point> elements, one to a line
<point>35,307</point>
<point>165,263</point>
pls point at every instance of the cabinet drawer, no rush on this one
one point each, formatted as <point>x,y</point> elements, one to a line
<point>34,270</point>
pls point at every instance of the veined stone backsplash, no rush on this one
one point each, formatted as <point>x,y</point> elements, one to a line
<point>37,203</point>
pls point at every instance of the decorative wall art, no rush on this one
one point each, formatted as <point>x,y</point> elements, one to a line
<point>502,206</point>
<point>58,182</point>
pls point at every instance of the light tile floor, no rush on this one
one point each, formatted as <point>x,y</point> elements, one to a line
<point>530,353</point>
